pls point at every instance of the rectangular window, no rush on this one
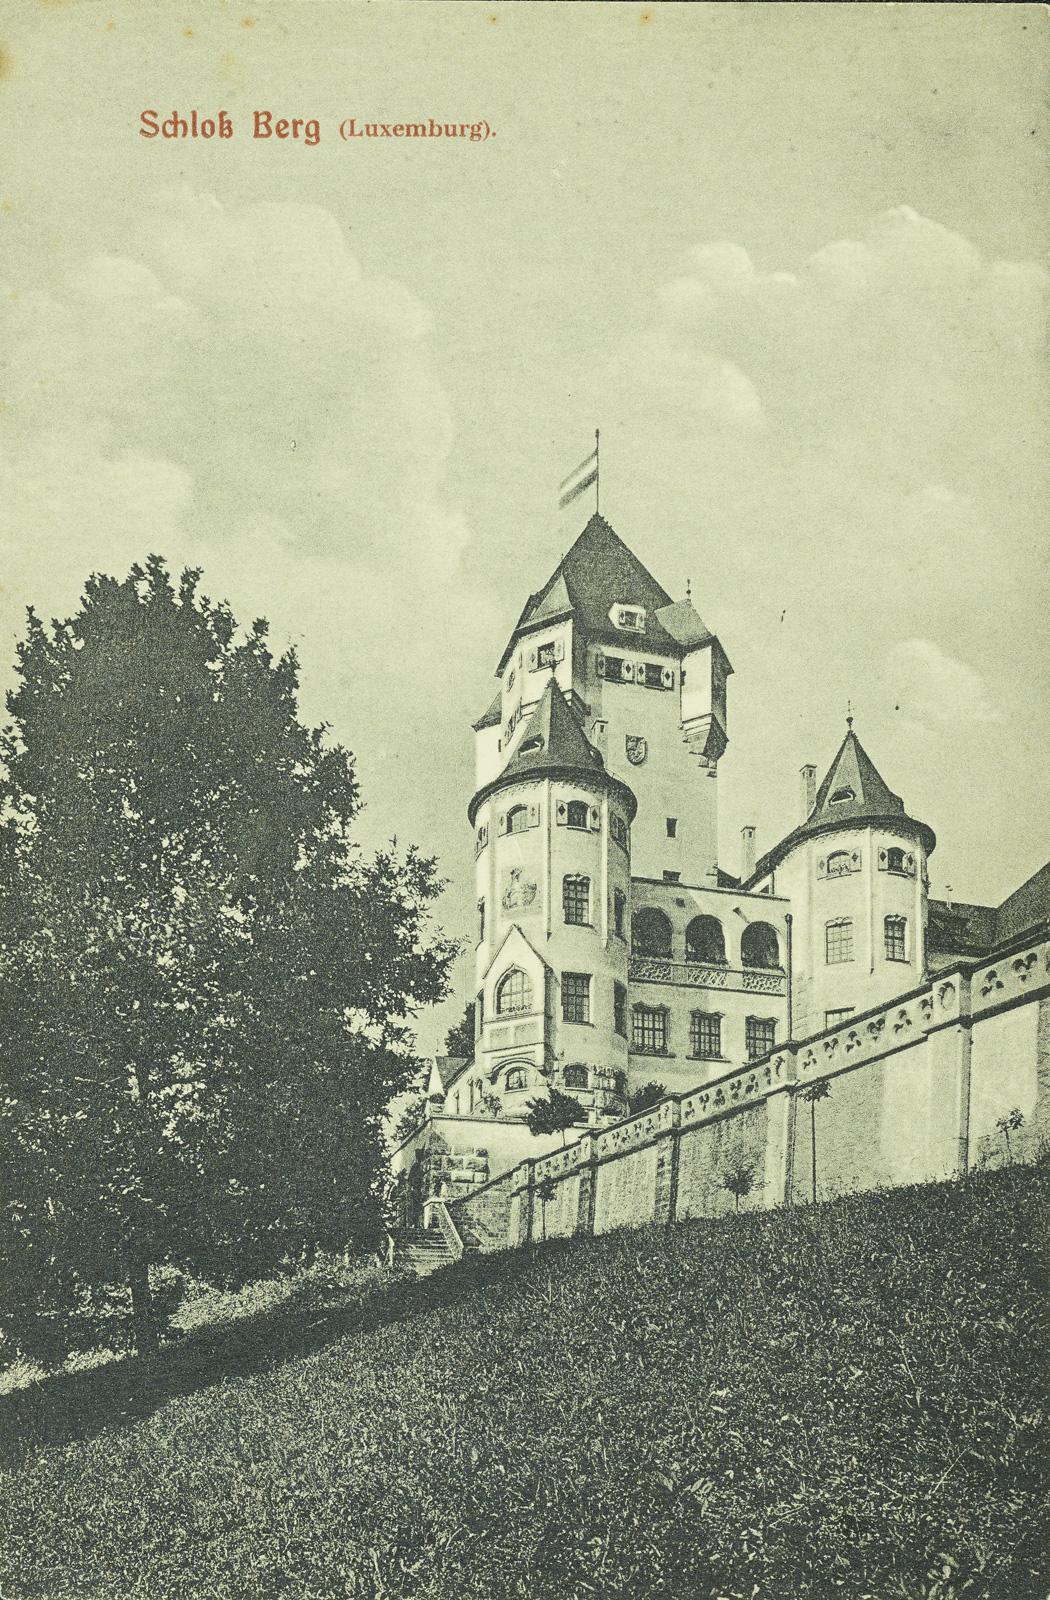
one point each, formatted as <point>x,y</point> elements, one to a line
<point>833,1018</point>
<point>576,900</point>
<point>672,877</point>
<point>759,1036</point>
<point>576,997</point>
<point>896,931</point>
<point>649,1031</point>
<point>705,1035</point>
<point>613,668</point>
<point>651,674</point>
<point>546,656</point>
<point>672,827</point>
<point>618,829</point>
<point>619,913</point>
<point>838,941</point>
<point>620,1010</point>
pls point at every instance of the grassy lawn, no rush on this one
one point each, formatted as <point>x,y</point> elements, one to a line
<point>841,1400</point>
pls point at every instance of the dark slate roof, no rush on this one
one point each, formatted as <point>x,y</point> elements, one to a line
<point>553,745</point>
<point>598,572</point>
<point>493,715</point>
<point>872,801</point>
<point>552,738</point>
<point>1027,906</point>
<point>449,1067</point>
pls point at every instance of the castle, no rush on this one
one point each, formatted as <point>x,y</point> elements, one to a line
<point>612,949</point>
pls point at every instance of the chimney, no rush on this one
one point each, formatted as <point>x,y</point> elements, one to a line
<point>809,790</point>
<point>747,851</point>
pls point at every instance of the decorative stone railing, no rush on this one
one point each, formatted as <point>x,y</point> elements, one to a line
<point>700,975</point>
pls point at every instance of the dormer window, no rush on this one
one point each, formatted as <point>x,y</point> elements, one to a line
<point>630,618</point>
<point>530,746</point>
<point>842,795</point>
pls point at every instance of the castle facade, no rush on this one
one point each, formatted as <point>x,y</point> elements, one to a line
<point>612,951</point>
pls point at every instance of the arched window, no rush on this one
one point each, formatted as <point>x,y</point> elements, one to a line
<point>513,992</point>
<point>838,941</point>
<point>576,900</point>
<point>895,860</point>
<point>704,940</point>
<point>838,863</point>
<point>576,814</point>
<point>517,819</point>
<point>759,946</point>
<point>650,933</point>
<point>517,1078</point>
<point>896,935</point>
<point>575,1077</point>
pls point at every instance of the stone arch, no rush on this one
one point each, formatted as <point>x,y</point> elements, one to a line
<point>759,946</point>
<point>651,932</point>
<point>705,940</point>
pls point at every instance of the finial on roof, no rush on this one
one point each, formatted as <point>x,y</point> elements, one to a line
<point>849,714</point>
<point>689,588</point>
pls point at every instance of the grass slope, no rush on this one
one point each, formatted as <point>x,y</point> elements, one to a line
<point>842,1400</point>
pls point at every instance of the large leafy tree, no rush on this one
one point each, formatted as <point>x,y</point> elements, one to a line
<point>205,987</point>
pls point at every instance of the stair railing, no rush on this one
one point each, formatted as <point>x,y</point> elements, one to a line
<point>449,1232</point>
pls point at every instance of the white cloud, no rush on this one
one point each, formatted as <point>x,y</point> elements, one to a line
<point>930,688</point>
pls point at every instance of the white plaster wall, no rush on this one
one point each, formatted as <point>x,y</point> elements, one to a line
<point>1004,1075</point>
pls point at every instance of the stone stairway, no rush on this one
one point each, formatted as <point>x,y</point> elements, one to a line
<point>421,1252</point>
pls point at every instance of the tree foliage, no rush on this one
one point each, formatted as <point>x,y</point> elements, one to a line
<point>206,987</point>
<point>459,1041</point>
<point>555,1113</point>
<point>646,1095</point>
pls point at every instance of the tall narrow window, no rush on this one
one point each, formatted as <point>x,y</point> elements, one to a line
<point>576,900</point>
<point>620,1010</point>
<point>838,941</point>
<point>896,934</point>
<point>481,922</point>
<point>649,1030</point>
<point>705,1035</point>
<point>619,912</point>
<point>517,819</point>
<point>577,814</point>
<point>672,827</point>
<point>760,1035</point>
<point>576,997</point>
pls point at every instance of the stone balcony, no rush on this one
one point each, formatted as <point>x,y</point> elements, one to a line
<point>698,975</point>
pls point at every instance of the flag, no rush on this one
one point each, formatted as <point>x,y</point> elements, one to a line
<point>579,479</point>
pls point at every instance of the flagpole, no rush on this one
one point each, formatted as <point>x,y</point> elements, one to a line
<point>597,473</point>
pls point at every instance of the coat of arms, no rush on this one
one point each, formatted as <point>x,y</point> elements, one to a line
<point>518,895</point>
<point>637,749</point>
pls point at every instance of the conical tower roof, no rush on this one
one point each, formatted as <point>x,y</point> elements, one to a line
<point>853,793</point>
<point>553,744</point>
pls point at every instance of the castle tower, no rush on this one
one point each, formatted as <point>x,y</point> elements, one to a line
<point>647,682</point>
<point>855,873</point>
<point>553,875</point>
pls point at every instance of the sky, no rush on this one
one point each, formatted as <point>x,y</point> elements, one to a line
<point>791,259</point>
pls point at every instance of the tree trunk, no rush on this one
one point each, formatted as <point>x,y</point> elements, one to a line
<point>143,1320</point>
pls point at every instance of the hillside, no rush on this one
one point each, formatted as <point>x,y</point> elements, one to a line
<point>842,1400</point>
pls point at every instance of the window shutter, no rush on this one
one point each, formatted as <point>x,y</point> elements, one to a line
<point>562,814</point>
<point>534,816</point>
<point>594,818</point>
<point>627,671</point>
<point>667,677</point>
<point>531,658</point>
<point>559,650</point>
<point>599,664</point>
<point>503,822</point>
